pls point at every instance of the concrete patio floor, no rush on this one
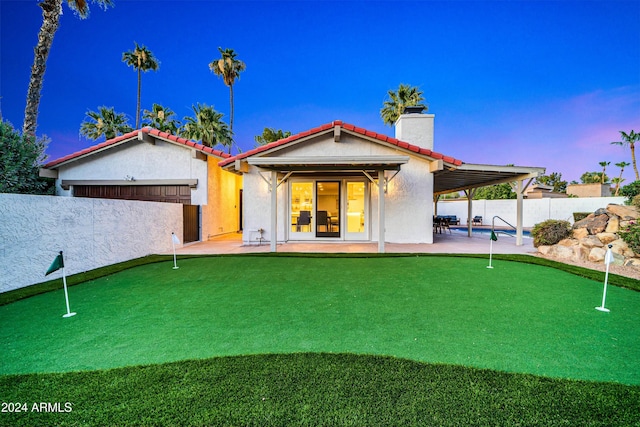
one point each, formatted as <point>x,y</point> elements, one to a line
<point>453,242</point>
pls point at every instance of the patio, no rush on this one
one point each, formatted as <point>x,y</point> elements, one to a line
<point>454,242</point>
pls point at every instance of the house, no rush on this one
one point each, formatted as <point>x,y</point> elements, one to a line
<point>339,182</point>
<point>150,165</point>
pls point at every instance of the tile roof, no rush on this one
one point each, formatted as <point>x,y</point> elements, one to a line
<point>346,126</point>
<point>133,135</point>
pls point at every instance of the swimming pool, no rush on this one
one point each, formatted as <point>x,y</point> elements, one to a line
<point>511,232</point>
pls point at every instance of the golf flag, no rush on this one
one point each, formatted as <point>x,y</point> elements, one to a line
<point>608,259</point>
<point>175,241</point>
<point>493,238</point>
<point>56,265</point>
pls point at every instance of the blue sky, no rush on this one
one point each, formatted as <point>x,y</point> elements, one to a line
<point>533,83</point>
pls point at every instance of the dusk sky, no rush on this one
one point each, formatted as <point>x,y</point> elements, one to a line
<point>531,83</point>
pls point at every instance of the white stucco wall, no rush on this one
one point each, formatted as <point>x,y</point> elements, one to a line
<point>408,202</point>
<point>534,210</point>
<point>142,161</point>
<point>91,232</point>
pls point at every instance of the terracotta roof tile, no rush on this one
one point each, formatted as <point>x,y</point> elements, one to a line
<point>346,126</point>
<point>134,134</point>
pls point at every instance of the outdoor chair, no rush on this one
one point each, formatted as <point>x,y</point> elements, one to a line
<point>303,219</point>
<point>322,219</point>
<point>477,220</point>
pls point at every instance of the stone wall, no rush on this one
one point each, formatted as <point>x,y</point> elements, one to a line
<point>592,235</point>
<point>91,232</point>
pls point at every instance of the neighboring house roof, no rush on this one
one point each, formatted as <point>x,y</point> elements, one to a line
<point>293,139</point>
<point>144,134</point>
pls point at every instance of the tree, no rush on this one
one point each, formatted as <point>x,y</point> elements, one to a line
<point>20,159</point>
<point>105,122</point>
<point>229,68</point>
<point>604,168</point>
<point>630,191</point>
<point>207,126</point>
<point>141,59</point>
<point>161,118</point>
<point>621,165</point>
<point>554,179</point>
<point>593,178</point>
<point>630,139</point>
<point>493,192</point>
<point>51,12</point>
<point>405,96</point>
<point>271,135</point>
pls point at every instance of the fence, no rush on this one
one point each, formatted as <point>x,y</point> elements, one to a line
<point>534,210</point>
<point>91,232</point>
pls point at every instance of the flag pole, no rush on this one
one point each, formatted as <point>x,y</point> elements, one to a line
<point>491,239</point>
<point>608,258</point>
<point>66,294</point>
<point>174,240</point>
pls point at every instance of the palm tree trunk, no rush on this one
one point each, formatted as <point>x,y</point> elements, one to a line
<point>51,11</point>
<point>138,104</point>
<point>230,115</point>
<point>633,160</point>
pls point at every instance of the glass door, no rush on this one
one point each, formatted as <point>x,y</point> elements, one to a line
<point>301,212</point>
<point>357,208</point>
<point>327,215</point>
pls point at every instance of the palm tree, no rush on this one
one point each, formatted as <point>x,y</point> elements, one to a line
<point>405,96</point>
<point>207,126</point>
<point>105,122</point>
<point>604,167</point>
<point>229,68</point>
<point>51,12</point>
<point>271,135</point>
<point>621,165</point>
<point>630,139</point>
<point>161,118</point>
<point>141,59</point>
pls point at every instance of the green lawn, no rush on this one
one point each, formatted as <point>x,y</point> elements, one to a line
<point>517,319</point>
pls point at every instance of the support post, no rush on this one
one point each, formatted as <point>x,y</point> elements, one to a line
<point>519,209</point>
<point>274,210</point>
<point>381,216</point>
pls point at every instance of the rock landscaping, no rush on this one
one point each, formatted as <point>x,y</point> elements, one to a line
<point>592,235</point>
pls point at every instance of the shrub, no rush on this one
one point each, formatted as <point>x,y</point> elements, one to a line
<point>636,201</point>
<point>577,216</point>
<point>630,191</point>
<point>631,235</point>
<point>550,232</point>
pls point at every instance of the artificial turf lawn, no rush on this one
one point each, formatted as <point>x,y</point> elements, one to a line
<point>316,389</point>
<point>515,317</point>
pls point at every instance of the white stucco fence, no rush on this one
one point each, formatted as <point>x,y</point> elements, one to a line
<point>91,232</point>
<point>534,210</point>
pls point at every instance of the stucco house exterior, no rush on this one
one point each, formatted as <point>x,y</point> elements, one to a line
<point>150,165</point>
<point>339,182</point>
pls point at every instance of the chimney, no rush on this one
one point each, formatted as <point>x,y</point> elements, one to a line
<point>415,127</point>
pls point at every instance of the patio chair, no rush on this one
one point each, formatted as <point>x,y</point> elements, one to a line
<point>304,219</point>
<point>477,220</point>
<point>322,219</point>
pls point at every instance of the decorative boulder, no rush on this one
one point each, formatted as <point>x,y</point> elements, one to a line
<point>613,225</point>
<point>624,212</point>
<point>580,233</point>
<point>593,223</point>
<point>597,255</point>
<point>591,242</point>
<point>607,237</point>
<point>620,247</point>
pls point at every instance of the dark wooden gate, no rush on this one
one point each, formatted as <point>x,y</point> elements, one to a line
<point>191,223</point>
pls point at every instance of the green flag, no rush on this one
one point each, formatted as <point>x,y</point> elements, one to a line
<point>56,265</point>
<point>493,236</point>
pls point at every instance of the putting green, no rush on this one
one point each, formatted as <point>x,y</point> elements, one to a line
<point>516,317</point>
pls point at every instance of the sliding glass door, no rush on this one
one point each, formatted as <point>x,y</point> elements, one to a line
<point>328,209</point>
